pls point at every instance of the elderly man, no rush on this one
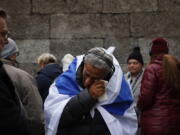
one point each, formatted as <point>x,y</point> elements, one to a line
<point>25,86</point>
<point>135,72</point>
<point>134,75</point>
<point>26,91</point>
<point>13,119</point>
<point>91,98</point>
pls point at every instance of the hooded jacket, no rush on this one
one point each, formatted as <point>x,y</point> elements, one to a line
<point>45,77</point>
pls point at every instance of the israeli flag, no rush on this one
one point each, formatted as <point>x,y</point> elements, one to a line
<point>116,110</point>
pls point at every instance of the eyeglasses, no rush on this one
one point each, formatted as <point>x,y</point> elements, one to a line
<point>5,34</point>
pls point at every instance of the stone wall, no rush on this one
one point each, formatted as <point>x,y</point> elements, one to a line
<point>74,26</point>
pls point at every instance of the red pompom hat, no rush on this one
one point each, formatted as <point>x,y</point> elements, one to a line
<point>158,46</point>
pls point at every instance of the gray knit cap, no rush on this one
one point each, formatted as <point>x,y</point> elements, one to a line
<point>9,49</point>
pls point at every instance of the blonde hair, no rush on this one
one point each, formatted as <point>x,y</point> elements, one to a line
<point>46,58</point>
<point>172,71</point>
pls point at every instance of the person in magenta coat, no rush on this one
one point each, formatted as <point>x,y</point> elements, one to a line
<point>159,99</point>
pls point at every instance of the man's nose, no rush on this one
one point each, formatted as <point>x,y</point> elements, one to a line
<point>132,64</point>
<point>88,81</point>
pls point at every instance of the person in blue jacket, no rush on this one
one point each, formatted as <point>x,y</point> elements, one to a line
<point>50,69</point>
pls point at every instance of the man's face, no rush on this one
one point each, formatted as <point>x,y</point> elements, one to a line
<point>134,66</point>
<point>92,74</point>
<point>3,33</point>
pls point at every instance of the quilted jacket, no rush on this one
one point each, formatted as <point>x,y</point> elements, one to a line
<point>158,102</point>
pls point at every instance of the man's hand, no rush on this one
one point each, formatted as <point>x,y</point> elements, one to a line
<point>97,89</point>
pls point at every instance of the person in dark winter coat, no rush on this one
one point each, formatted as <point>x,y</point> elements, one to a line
<point>159,99</point>
<point>134,75</point>
<point>25,86</point>
<point>13,116</point>
<point>49,71</point>
<point>135,72</point>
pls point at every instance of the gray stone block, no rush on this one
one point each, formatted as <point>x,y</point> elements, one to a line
<point>145,46</point>
<point>29,26</point>
<point>66,6</point>
<point>164,24</point>
<point>174,45</point>
<point>169,5</point>
<point>31,68</point>
<point>127,6</point>
<point>75,25</point>
<point>124,68</point>
<point>123,47</point>
<point>31,49</point>
<point>73,46</point>
<point>116,25</point>
<point>16,6</point>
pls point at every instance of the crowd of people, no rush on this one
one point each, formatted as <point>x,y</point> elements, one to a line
<point>89,94</point>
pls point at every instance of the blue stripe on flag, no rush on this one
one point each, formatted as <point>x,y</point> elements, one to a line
<point>123,100</point>
<point>66,82</point>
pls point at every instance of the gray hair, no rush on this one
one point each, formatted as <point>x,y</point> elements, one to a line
<point>99,58</point>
